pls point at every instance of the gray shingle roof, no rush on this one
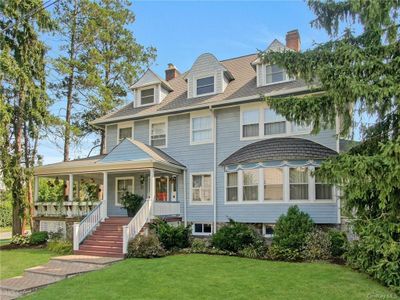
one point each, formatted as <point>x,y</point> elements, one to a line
<point>166,156</point>
<point>279,149</point>
<point>244,85</point>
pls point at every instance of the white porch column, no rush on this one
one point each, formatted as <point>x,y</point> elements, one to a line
<point>152,191</point>
<point>71,188</point>
<point>105,196</point>
<point>36,189</point>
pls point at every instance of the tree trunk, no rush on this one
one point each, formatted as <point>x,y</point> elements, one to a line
<point>102,142</point>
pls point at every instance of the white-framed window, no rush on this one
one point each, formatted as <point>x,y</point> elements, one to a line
<point>201,126</point>
<point>201,188</point>
<point>232,184</point>
<point>125,130</point>
<point>205,85</point>
<point>323,190</point>
<point>158,132</point>
<point>123,185</point>
<point>273,184</point>
<point>275,74</point>
<point>250,123</point>
<point>250,185</point>
<point>274,123</point>
<point>147,96</point>
<point>298,183</point>
<point>268,230</point>
<point>201,229</point>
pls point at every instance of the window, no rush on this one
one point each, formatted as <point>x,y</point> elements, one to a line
<point>124,133</point>
<point>147,96</point>
<point>275,73</point>
<point>202,229</point>
<point>202,129</point>
<point>201,188</point>
<point>250,123</point>
<point>250,185</point>
<point>323,190</point>
<point>205,85</point>
<point>158,136</point>
<point>273,123</point>
<point>298,181</point>
<point>268,230</point>
<point>123,185</point>
<point>232,187</point>
<point>273,184</point>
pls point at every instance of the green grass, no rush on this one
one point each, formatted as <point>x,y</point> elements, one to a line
<point>216,277</point>
<point>5,229</point>
<point>14,262</point>
<point>5,242</point>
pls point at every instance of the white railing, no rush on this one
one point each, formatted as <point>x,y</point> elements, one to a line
<point>86,226</point>
<point>68,209</point>
<point>167,208</point>
<point>136,224</point>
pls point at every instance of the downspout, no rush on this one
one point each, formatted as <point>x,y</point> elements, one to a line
<point>215,168</point>
<point>184,198</point>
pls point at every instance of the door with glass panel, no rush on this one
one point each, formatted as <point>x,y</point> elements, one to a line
<point>162,183</point>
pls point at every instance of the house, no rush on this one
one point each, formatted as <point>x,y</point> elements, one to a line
<point>202,147</point>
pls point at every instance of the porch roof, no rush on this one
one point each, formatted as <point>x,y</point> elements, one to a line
<point>127,155</point>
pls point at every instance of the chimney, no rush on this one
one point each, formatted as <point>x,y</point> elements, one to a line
<point>171,73</point>
<point>293,40</point>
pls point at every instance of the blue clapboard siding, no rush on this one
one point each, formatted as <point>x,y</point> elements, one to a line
<point>125,151</point>
<point>111,137</point>
<point>141,131</point>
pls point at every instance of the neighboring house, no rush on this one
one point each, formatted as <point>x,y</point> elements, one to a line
<point>203,147</point>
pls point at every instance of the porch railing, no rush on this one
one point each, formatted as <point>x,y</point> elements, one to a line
<point>136,224</point>
<point>68,209</point>
<point>86,226</point>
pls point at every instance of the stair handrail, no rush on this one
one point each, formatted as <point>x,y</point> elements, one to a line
<point>86,226</point>
<point>130,230</point>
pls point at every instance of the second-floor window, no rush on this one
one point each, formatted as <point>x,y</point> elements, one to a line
<point>275,73</point>
<point>205,85</point>
<point>158,136</point>
<point>201,129</point>
<point>273,123</point>
<point>250,123</point>
<point>147,96</point>
<point>124,132</point>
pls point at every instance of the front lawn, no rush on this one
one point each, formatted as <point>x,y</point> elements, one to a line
<point>14,262</point>
<point>216,277</point>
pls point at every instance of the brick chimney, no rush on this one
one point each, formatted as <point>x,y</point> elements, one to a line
<point>293,40</point>
<point>171,73</point>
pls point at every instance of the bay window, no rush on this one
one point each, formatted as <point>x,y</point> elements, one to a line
<point>298,183</point>
<point>232,187</point>
<point>323,190</point>
<point>201,188</point>
<point>273,184</point>
<point>250,123</point>
<point>250,185</point>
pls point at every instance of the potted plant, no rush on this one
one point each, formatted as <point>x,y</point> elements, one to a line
<point>132,203</point>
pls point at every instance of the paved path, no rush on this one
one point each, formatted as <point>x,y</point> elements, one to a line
<point>58,268</point>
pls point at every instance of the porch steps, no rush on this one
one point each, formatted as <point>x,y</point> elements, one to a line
<point>106,240</point>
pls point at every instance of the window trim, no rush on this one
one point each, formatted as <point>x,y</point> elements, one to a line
<point>264,76</point>
<point>211,202</point>
<point>116,187</point>
<point>257,184</point>
<point>154,95</point>
<point>264,227</point>
<point>122,125</point>
<point>199,114</point>
<point>226,188</point>
<point>202,233</point>
<point>195,78</point>
<point>158,121</point>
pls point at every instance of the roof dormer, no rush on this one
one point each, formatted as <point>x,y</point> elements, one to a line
<point>207,77</point>
<point>150,89</point>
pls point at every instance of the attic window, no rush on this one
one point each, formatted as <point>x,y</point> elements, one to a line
<point>147,96</point>
<point>275,73</point>
<point>205,85</point>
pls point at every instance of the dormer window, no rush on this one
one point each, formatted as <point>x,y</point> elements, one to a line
<point>205,85</point>
<point>275,74</point>
<point>147,96</point>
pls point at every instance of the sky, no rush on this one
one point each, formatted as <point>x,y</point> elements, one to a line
<point>183,30</point>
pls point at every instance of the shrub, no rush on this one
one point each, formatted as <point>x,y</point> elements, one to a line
<point>317,246</point>
<point>199,245</point>
<point>236,236</point>
<point>38,238</point>
<point>276,252</point>
<point>339,242</point>
<point>61,247</point>
<point>253,252</point>
<point>5,211</point>
<point>20,240</point>
<point>132,203</point>
<point>291,229</point>
<point>172,237</point>
<point>145,247</point>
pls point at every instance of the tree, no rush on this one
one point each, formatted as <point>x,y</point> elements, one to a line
<point>357,70</point>
<point>113,59</point>
<point>23,105</point>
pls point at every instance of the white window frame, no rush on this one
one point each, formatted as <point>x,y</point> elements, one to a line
<point>246,108</point>
<point>264,76</point>
<point>116,187</point>
<point>122,125</point>
<point>139,93</point>
<point>199,114</point>
<point>159,121</point>
<point>264,229</point>
<point>191,189</point>
<point>202,233</point>
<point>258,186</point>
<point>195,78</point>
<point>226,187</point>
<point>283,185</point>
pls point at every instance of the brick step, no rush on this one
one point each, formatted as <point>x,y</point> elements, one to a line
<point>104,228</point>
<point>98,253</point>
<point>118,221</point>
<point>101,248</point>
<point>107,233</point>
<point>103,242</point>
<point>101,238</point>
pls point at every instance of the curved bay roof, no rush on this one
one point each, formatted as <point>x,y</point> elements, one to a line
<point>279,149</point>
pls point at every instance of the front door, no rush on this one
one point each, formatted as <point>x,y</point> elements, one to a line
<point>162,184</point>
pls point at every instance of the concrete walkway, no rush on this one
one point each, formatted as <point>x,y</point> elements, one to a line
<point>58,268</point>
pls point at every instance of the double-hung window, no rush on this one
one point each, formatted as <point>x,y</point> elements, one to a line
<point>323,190</point>
<point>205,85</point>
<point>201,188</point>
<point>123,185</point>
<point>158,136</point>
<point>274,74</point>
<point>273,184</point>
<point>147,96</point>
<point>273,123</point>
<point>124,132</point>
<point>232,187</point>
<point>250,185</point>
<point>298,182</point>
<point>250,123</point>
<point>201,129</point>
